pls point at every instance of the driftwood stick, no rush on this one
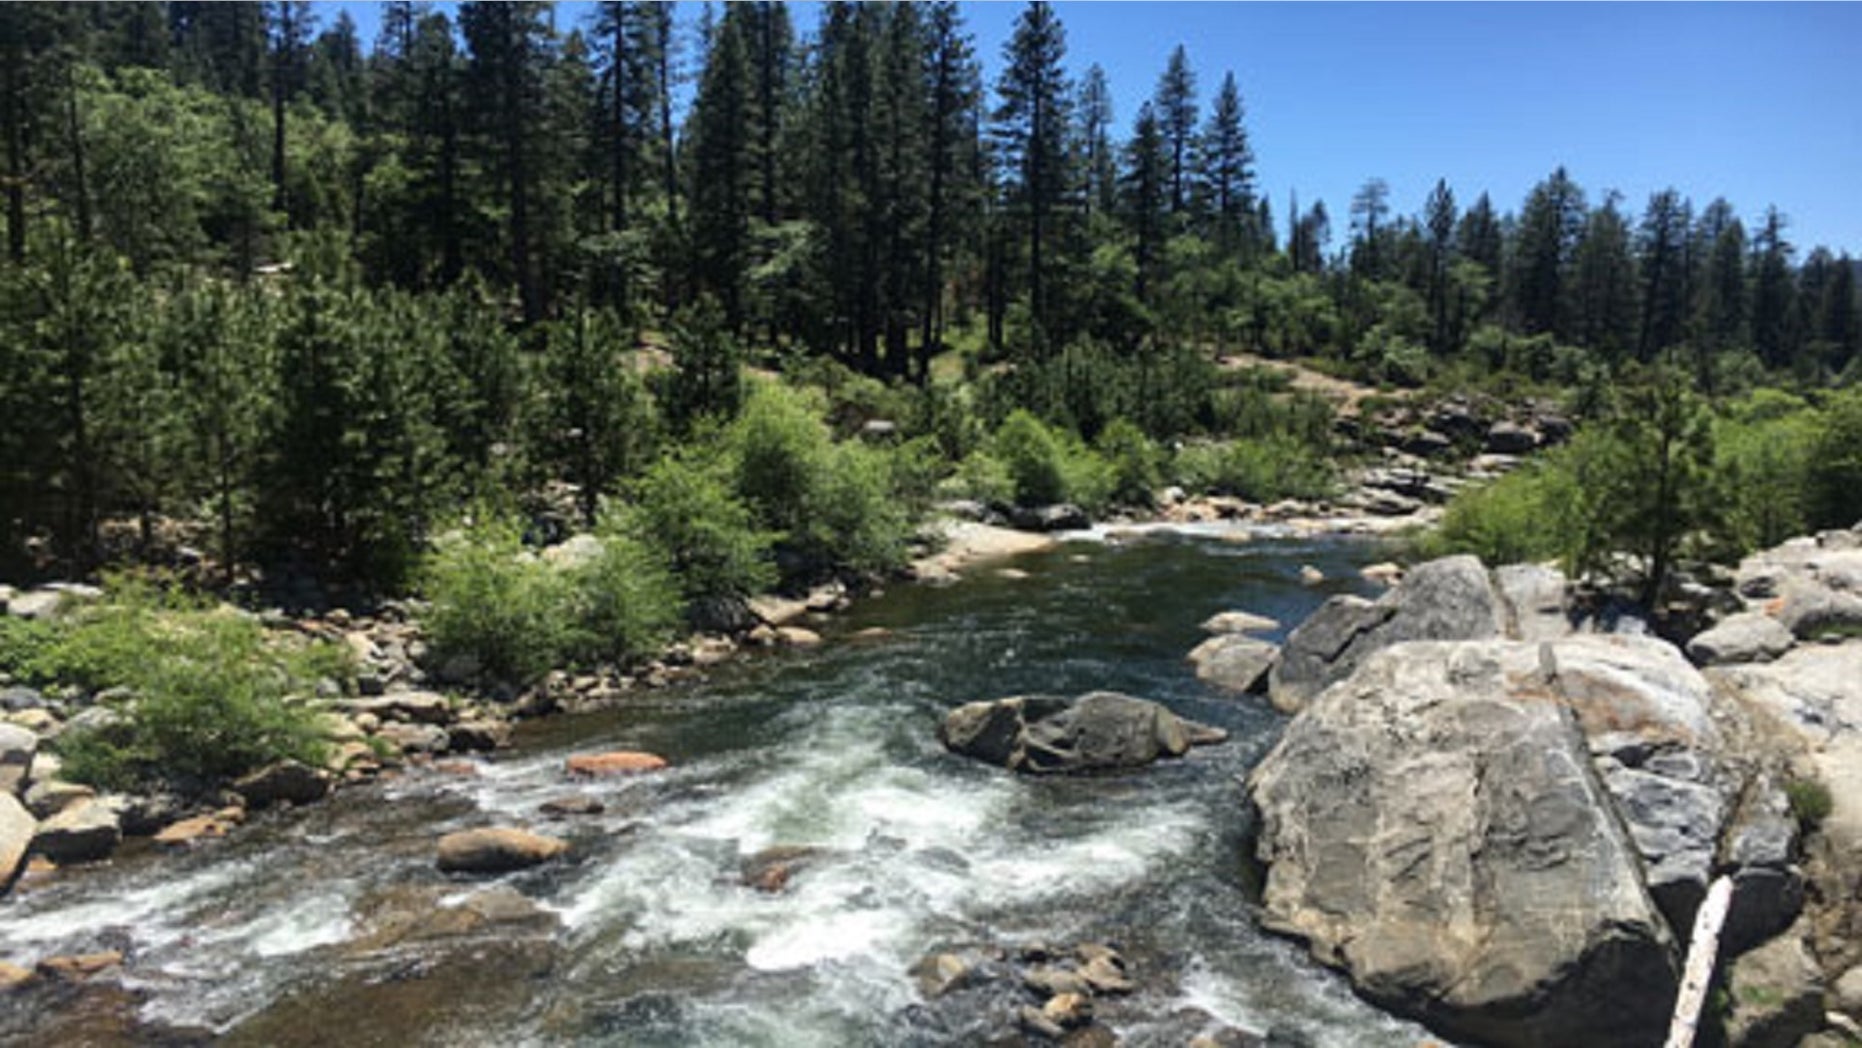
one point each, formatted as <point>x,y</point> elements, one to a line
<point>1702,951</point>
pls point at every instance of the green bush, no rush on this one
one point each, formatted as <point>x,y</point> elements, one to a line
<point>1260,470</point>
<point>1031,455</point>
<point>209,695</point>
<point>1765,452</point>
<point>627,597</point>
<point>1522,517</point>
<point>498,605</point>
<point>685,506</point>
<point>1134,462</point>
<point>1835,477</point>
<point>1810,803</point>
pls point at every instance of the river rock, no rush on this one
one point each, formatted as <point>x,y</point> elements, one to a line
<point>84,832</point>
<point>190,831</point>
<point>617,762</point>
<point>14,977</point>
<point>17,746</point>
<point>47,797</point>
<point>1447,599</point>
<point>797,637</point>
<point>415,738</point>
<point>417,707</point>
<point>1776,993</point>
<point>1238,622</point>
<point>287,780</point>
<point>1060,516</point>
<point>942,973</point>
<point>17,827</point>
<point>1749,636</point>
<point>1431,825</point>
<point>1510,438</point>
<point>1234,662</point>
<point>79,967</point>
<point>478,735</point>
<point>1046,733</point>
<point>496,849</point>
<point>1536,599</point>
<point>1846,994</point>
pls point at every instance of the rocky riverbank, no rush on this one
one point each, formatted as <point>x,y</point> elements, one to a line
<point>1497,812</point>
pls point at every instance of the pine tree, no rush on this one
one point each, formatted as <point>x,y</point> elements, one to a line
<point>1029,129</point>
<point>1439,225</point>
<point>1604,284</point>
<point>723,170</point>
<point>955,93</point>
<point>1550,226</point>
<point>1369,207</point>
<point>1097,160</point>
<point>1662,248</point>
<point>1176,116</point>
<point>289,25</point>
<point>1145,196</point>
<point>512,48</point>
<point>1773,295</point>
<point>1226,171</point>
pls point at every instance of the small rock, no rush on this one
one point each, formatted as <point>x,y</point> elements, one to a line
<point>1846,995</point>
<point>188,832</point>
<point>1011,574</point>
<point>79,967</point>
<point>1747,637</point>
<point>1777,997</point>
<point>13,977</point>
<point>1384,574</point>
<point>1310,576</point>
<point>415,738</point>
<point>1048,981</point>
<point>41,722</point>
<point>1105,973</point>
<point>17,827</point>
<point>84,832</point>
<point>497,849</point>
<point>618,762</point>
<point>481,735</point>
<point>770,870</point>
<point>286,780</point>
<point>1234,662</point>
<point>941,973</point>
<point>578,804</point>
<point>17,746</point>
<point>798,637</point>
<point>48,797</point>
<point>1068,1010</point>
<point>419,707</point>
<point>1238,622</point>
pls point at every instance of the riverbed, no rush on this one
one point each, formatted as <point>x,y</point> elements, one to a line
<point>330,924</point>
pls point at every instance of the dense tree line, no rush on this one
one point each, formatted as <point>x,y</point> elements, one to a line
<point>319,291</point>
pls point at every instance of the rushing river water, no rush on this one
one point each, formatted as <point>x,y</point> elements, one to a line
<point>330,925</point>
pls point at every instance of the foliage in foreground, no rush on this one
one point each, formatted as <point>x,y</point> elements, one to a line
<point>202,694</point>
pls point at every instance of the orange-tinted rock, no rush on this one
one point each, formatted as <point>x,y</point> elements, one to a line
<point>12,976</point>
<point>496,849</point>
<point>79,967</point>
<point>201,827</point>
<point>618,762</point>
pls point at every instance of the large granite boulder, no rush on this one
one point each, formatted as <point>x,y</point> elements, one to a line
<point>1100,730</point>
<point>1433,826</point>
<point>1447,599</point>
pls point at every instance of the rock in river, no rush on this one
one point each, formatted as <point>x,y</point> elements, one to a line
<point>1048,733</point>
<point>1234,662</point>
<point>1432,826</point>
<point>496,849</point>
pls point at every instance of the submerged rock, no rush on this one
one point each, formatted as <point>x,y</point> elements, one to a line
<point>496,849</point>
<point>1238,622</point>
<point>1097,731</point>
<point>617,762</point>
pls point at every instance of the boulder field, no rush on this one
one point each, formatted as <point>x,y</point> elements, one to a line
<point>1495,816</point>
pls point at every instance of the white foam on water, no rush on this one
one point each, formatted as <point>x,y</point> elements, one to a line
<point>157,913</point>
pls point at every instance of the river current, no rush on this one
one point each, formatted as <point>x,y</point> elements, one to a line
<point>330,924</point>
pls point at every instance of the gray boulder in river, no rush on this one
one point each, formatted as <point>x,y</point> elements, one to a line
<point>1100,730</point>
<point>1448,599</point>
<point>1432,825</point>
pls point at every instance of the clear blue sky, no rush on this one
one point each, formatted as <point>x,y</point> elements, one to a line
<point>1759,103</point>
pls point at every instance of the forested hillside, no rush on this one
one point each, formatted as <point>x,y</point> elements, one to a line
<point>316,294</point>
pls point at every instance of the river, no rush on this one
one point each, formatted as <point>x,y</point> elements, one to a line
<point>330,924</point>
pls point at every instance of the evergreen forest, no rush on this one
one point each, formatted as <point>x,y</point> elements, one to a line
<point>747,296</point>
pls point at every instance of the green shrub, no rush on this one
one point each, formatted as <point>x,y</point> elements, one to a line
<point>983,477</point>
<point>498,605</point>
<point>628,600</point>
<point>209,694</point>
<point>1031,455</point>
<point>1835,477</point>
<point>1522,517</point>
<point>780,448</point>
<point>854,519</point>
<point>685,507</point>
<point>1810,803</point>
<point>1765,451</point>
<point>1134,462</point>
<point>1260,470</point>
